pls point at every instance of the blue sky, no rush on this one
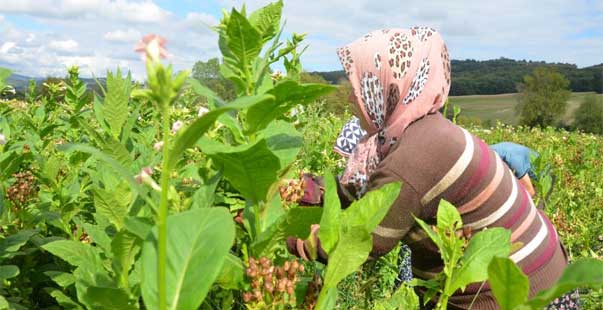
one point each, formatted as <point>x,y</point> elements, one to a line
<point>43,37</point>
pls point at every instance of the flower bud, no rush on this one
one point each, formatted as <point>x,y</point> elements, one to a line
<point>157,146</point>
<point>2,139</point>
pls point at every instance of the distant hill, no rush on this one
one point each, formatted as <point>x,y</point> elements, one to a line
<point>20,82</point>
<point>500,76</point>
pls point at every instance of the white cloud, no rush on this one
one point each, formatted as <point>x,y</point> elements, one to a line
<point>200,22</point>
<point>63,46</point>
<point>7,46</point>
<point>125,36</point>
<point>132,11</point>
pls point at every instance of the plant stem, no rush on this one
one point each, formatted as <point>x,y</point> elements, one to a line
<point>163,209</point>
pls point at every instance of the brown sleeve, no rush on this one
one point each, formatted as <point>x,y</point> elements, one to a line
<point>400,217</point>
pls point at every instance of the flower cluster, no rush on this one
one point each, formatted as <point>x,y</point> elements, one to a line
<point>271,285</point>
<point>292,191</point>
<point>23,189</point>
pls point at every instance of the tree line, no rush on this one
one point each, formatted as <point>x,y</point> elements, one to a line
<point>500,76</point>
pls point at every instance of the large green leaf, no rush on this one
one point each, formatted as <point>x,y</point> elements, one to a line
<point>110,298</point>
<point>352,250</point>
<point>14,242</point>
<point>232,273</point>
<point>115,105</point>
<point>244,42</point>
<point>75,253</point>
<point>448,216</point>
<point>113,204</point>
<point>267,19</point>
<point>125,247</point>
<point>327,299</point>
<point>331,216</point>
<point>251,169</point>
<point>198,243</point>
<point>296,222</point>
<point>197,129</point>
<point>288,94</point>
<point>204,197</point>
<point>117,151</point>
<point>508,283</point>
<point>283,140</point>
<point>370,210</point>
<point>482,247</point>
<point>585,273</point>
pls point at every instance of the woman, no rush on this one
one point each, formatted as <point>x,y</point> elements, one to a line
<point>400,78</point>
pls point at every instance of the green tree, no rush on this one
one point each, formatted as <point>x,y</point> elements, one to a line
<point>208,73</point>
<point>589,116</point>
<point>542,97</point>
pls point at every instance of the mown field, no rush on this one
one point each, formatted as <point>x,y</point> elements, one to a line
<point>502,107</point>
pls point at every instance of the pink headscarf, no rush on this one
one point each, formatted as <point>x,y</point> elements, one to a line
<point>398,76</point>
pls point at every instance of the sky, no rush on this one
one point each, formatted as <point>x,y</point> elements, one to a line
<point>44,37</point>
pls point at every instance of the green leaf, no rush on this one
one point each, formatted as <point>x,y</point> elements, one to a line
<point>509,284</point>
<point>63,300</point>
<point>404,298</point>
<point>448,217</point>
<point>125,247</point>
<point>331,216</point>
<point>98,235</point>
<point>113,205</point>
<point>117,151</point>
<point>585,273</point>
<point>327,299</point>
<point>63,279</point>
<point>8,271</point>
<point>243,40</point>
<point>283,140</point>
<point>123,172</point>
<point>198,243</point>
<point>14,242</point>
<point>296,222</point>
<point>205,195</point>
<point>193,132</point>
<point>232,273</point>
<point>352,250</point>
<point>204,91</point>
<point>482,247</point>
<point>287,94</point>
<point>251,169</point>
<point>370,210</point>
<point>109,298</point>
<point>267,20</point>
<point>74,252</point>
<point>139,226</point>
<point>115,105</point>
<point>271,212</point>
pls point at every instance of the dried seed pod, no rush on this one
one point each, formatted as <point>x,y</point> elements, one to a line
<point>269,287</point>
<point>247,297</point>
<point>301,268</point>
<point>280,272</point>
<point>286,266</point>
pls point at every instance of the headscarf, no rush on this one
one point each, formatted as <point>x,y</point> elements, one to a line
<point>398,76</point>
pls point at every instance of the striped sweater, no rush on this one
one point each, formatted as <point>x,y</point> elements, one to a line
<point>435,159</point>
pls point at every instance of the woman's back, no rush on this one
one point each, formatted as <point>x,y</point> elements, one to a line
<point>435,159</point>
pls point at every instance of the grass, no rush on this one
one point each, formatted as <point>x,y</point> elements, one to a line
<point>502,107</point>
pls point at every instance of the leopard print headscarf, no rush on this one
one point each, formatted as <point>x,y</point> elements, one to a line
<point>398,76</point>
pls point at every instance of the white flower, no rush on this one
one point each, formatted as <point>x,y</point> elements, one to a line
<point>176,126</point>
<point>2,139</point>
<point>157,146</point>
<point>202,111</point>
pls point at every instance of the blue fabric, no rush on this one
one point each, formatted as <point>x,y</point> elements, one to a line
<point>516,156</point>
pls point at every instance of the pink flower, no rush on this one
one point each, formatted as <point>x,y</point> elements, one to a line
<point>152,46</point>
<point>176,126</point>
<point>157,146</point>
<point>202,111</point>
